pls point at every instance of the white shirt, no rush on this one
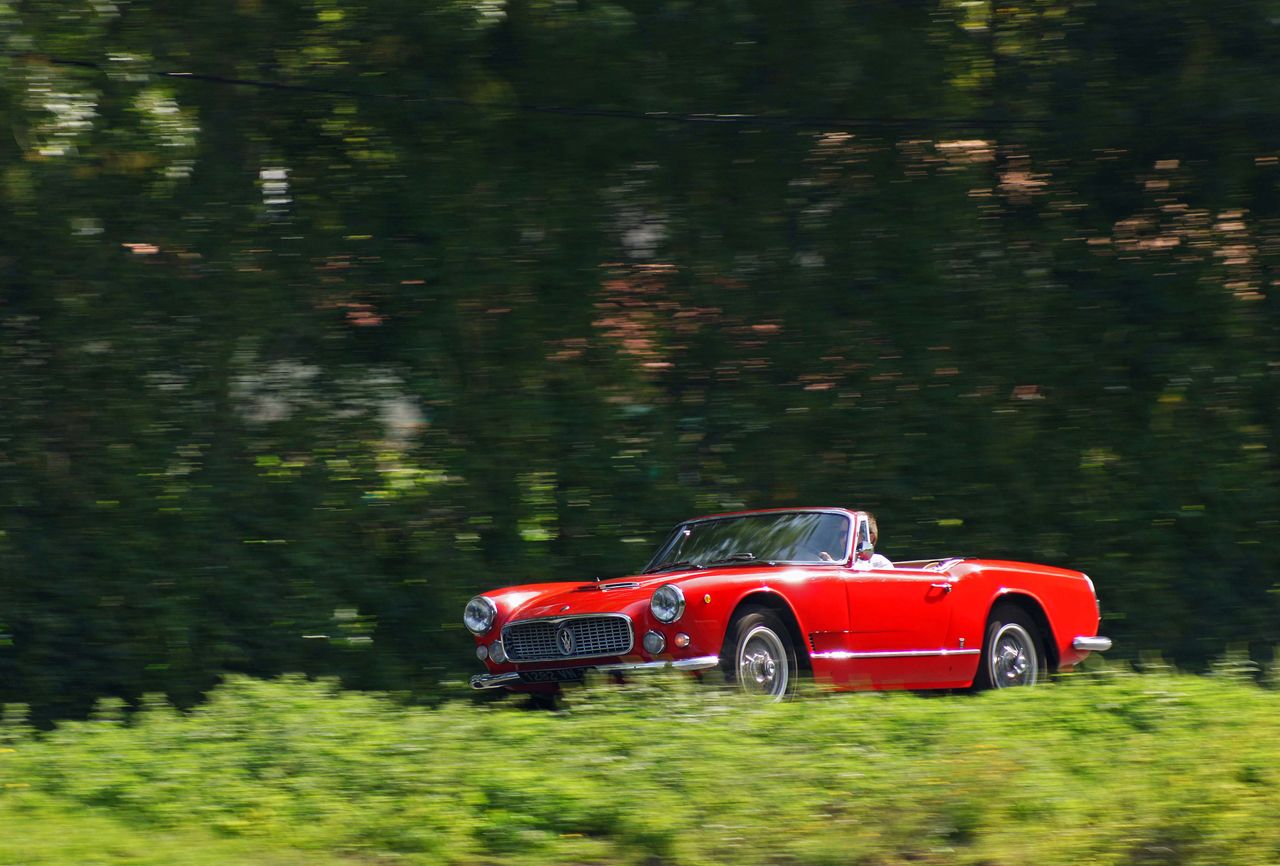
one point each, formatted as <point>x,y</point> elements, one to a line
<point>876,561</point>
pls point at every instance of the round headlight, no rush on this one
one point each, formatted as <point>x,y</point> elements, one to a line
<point>667,603</point>
<point>479,615</point>
<point>498,652</point>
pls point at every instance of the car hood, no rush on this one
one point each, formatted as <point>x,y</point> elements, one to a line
<point>607,596</point>
<point>567,599</point>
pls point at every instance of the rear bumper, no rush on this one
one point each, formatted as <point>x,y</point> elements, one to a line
<point>1091,644</point>
<point>512,678</point>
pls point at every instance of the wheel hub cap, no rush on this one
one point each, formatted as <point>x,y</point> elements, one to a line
<point>1013,658</point>
<point>762,664</point>
<point>762,667</point>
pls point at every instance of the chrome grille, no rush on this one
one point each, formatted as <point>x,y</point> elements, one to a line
<point>539,639</point>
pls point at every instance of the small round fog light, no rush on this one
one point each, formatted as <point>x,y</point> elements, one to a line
<point>681,640</point>
<point>497,653</point>
<point>654,642</point>
<point>482,652</point>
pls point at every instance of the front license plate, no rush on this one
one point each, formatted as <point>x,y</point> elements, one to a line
<point>555,675</point>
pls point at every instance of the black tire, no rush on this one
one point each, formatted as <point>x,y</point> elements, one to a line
<point>758,655</point>
<point>1013,651</point>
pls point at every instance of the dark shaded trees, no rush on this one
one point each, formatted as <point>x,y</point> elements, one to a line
<point>288,374</point>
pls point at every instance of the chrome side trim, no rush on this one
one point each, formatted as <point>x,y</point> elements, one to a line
<point>699,663</point>
<point>893,654</point>
<point>1091,644</point>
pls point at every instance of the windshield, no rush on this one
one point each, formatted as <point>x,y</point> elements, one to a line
<point>793,536</point>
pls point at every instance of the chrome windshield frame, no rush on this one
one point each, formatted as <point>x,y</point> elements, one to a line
<point>850,517</point>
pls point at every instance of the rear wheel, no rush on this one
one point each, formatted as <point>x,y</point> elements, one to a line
<point>759,656</point>
<point>1013,651</point>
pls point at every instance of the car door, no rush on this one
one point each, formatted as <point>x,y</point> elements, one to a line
<point>898,622</point>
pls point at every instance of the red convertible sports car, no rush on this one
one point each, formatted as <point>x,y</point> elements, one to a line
<point>767,597</point>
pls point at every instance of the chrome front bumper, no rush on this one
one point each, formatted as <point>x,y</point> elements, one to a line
<point>1091,644</point>
<point>511,678</point>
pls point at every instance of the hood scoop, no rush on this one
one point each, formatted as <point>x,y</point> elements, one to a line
<point>608,587</point>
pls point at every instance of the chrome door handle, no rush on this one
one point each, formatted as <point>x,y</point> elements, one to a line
<point>945,587</point>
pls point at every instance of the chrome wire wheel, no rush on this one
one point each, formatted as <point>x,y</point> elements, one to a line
<point>764,666</point>
<point>1012,659</point>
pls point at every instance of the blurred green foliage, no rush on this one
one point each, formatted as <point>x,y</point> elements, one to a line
<point>286,375</point>
<point>1102,769</point>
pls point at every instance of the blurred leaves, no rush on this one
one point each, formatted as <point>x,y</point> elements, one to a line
<point>394,338</point>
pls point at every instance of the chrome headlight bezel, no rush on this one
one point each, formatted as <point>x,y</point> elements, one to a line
<point>671,603</point>
<point>479,614</point>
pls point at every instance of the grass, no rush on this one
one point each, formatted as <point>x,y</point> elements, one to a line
<point>1098,769</point>
<point>38,831</point>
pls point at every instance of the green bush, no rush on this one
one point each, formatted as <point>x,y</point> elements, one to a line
<point>1097,769</point>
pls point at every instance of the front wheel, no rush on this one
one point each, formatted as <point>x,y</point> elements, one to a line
<point>1013,651</point>
<point>759,656</point>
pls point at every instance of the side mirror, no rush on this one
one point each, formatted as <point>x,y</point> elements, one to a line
<point>863,550</point>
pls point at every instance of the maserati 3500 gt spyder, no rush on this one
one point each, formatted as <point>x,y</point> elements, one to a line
<point>767,597</point>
